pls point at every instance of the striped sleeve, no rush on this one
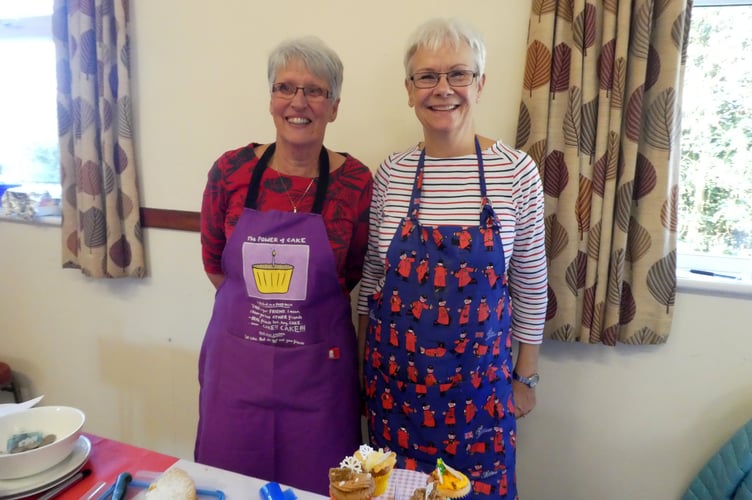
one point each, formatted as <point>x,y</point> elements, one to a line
<point>373,265</point>
<point>528,274</point>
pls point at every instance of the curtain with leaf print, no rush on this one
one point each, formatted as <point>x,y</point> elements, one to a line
<point>600,114</point>
<point>101,229</point>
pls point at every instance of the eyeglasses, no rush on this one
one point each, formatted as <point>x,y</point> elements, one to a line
<point>288,91</point>
<point>456,78</point>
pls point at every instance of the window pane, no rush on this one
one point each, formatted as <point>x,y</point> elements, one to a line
<point>28,122</point>
<point>10,9</point>
<point>716,176</point>
<point>28,125</point>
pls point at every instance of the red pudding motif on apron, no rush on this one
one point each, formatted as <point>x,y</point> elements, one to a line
<point>438,352</point>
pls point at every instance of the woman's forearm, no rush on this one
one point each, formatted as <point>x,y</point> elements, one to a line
<point>527,359</point>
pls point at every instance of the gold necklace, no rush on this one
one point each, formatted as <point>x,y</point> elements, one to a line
<point>287,191</point>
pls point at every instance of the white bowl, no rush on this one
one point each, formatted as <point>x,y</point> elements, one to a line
<point>62,421</point>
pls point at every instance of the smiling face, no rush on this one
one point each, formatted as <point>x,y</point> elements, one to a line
<point>301,121</point>
<point>445,111</point>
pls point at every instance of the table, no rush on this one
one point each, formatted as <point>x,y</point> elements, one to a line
<point>109,458</point>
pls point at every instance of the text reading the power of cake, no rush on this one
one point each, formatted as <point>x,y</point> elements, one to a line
<point>276,323</point>
<point>289,240</point>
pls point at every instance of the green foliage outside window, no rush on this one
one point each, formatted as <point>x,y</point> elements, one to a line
<point>716,175</point>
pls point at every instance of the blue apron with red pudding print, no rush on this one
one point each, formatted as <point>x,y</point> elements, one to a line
<point>438,358</point>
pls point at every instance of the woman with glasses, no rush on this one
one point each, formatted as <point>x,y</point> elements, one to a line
<point>455,271</point>
<point>284,228</point>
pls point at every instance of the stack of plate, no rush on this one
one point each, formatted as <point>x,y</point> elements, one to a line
<point>48,478</point>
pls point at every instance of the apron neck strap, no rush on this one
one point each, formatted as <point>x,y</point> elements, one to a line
<point>321,186</point>
<point>418,182</point>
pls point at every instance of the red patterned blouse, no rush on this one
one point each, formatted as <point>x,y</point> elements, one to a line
<point>345,210</point>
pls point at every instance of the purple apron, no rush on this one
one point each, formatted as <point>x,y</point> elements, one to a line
<point>279,393</point>
<point>438,351</point>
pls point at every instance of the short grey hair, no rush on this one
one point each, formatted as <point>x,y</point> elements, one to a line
<point>320,60</point>
<point>434,33</point>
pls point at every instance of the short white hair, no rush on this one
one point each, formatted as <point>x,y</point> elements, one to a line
<point>320,60</point>
<point>437,32</point>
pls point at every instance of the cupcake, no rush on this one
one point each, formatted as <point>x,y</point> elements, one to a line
<point>349,484</point>
<point>449,482</point>
<point>378,463</point>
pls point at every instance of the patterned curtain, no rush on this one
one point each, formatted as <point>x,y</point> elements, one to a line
<point>101,228</point>
<point>600,114</point>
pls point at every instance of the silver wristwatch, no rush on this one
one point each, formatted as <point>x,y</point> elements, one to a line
<point>530,381</point>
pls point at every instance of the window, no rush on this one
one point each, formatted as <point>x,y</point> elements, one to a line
<point>715,208</point>
<point>29,154</point>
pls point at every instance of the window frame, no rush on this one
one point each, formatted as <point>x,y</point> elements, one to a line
<point>29,26</point>
<point>720,266</point>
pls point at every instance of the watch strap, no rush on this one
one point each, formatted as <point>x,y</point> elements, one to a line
<point>530,381</point>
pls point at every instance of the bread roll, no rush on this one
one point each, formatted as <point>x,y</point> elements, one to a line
<point>175,484</point>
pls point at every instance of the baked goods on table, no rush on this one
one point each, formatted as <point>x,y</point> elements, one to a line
<point>365,475</point>
<point>378,463</point>
<point>449,482</point>
<point>349,484</point>
<point>175,484</point>
<point>427,493</point>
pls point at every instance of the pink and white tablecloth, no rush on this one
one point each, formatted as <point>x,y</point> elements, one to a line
<point>402,484</point>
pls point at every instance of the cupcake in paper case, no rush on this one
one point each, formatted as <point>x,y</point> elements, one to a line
<point>449,482</point>
<point>349,484</point>
<point>378,463</point>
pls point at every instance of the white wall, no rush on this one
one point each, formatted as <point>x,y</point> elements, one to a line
<point>615,423</point>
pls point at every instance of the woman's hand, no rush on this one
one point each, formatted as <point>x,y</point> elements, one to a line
<point>524,399</point>
<point>527,364</point>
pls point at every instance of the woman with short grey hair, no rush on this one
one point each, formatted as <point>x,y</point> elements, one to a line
<point>457,237</point>
<point>320,60</point>
<point>283,233</point>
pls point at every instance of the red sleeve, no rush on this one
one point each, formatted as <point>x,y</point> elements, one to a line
<point>223,201</point>
<point>356,255</point>
<point>213,209</point>
<point>346,219</point>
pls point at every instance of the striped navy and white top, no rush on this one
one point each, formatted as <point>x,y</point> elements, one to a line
<point>451,196</point>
